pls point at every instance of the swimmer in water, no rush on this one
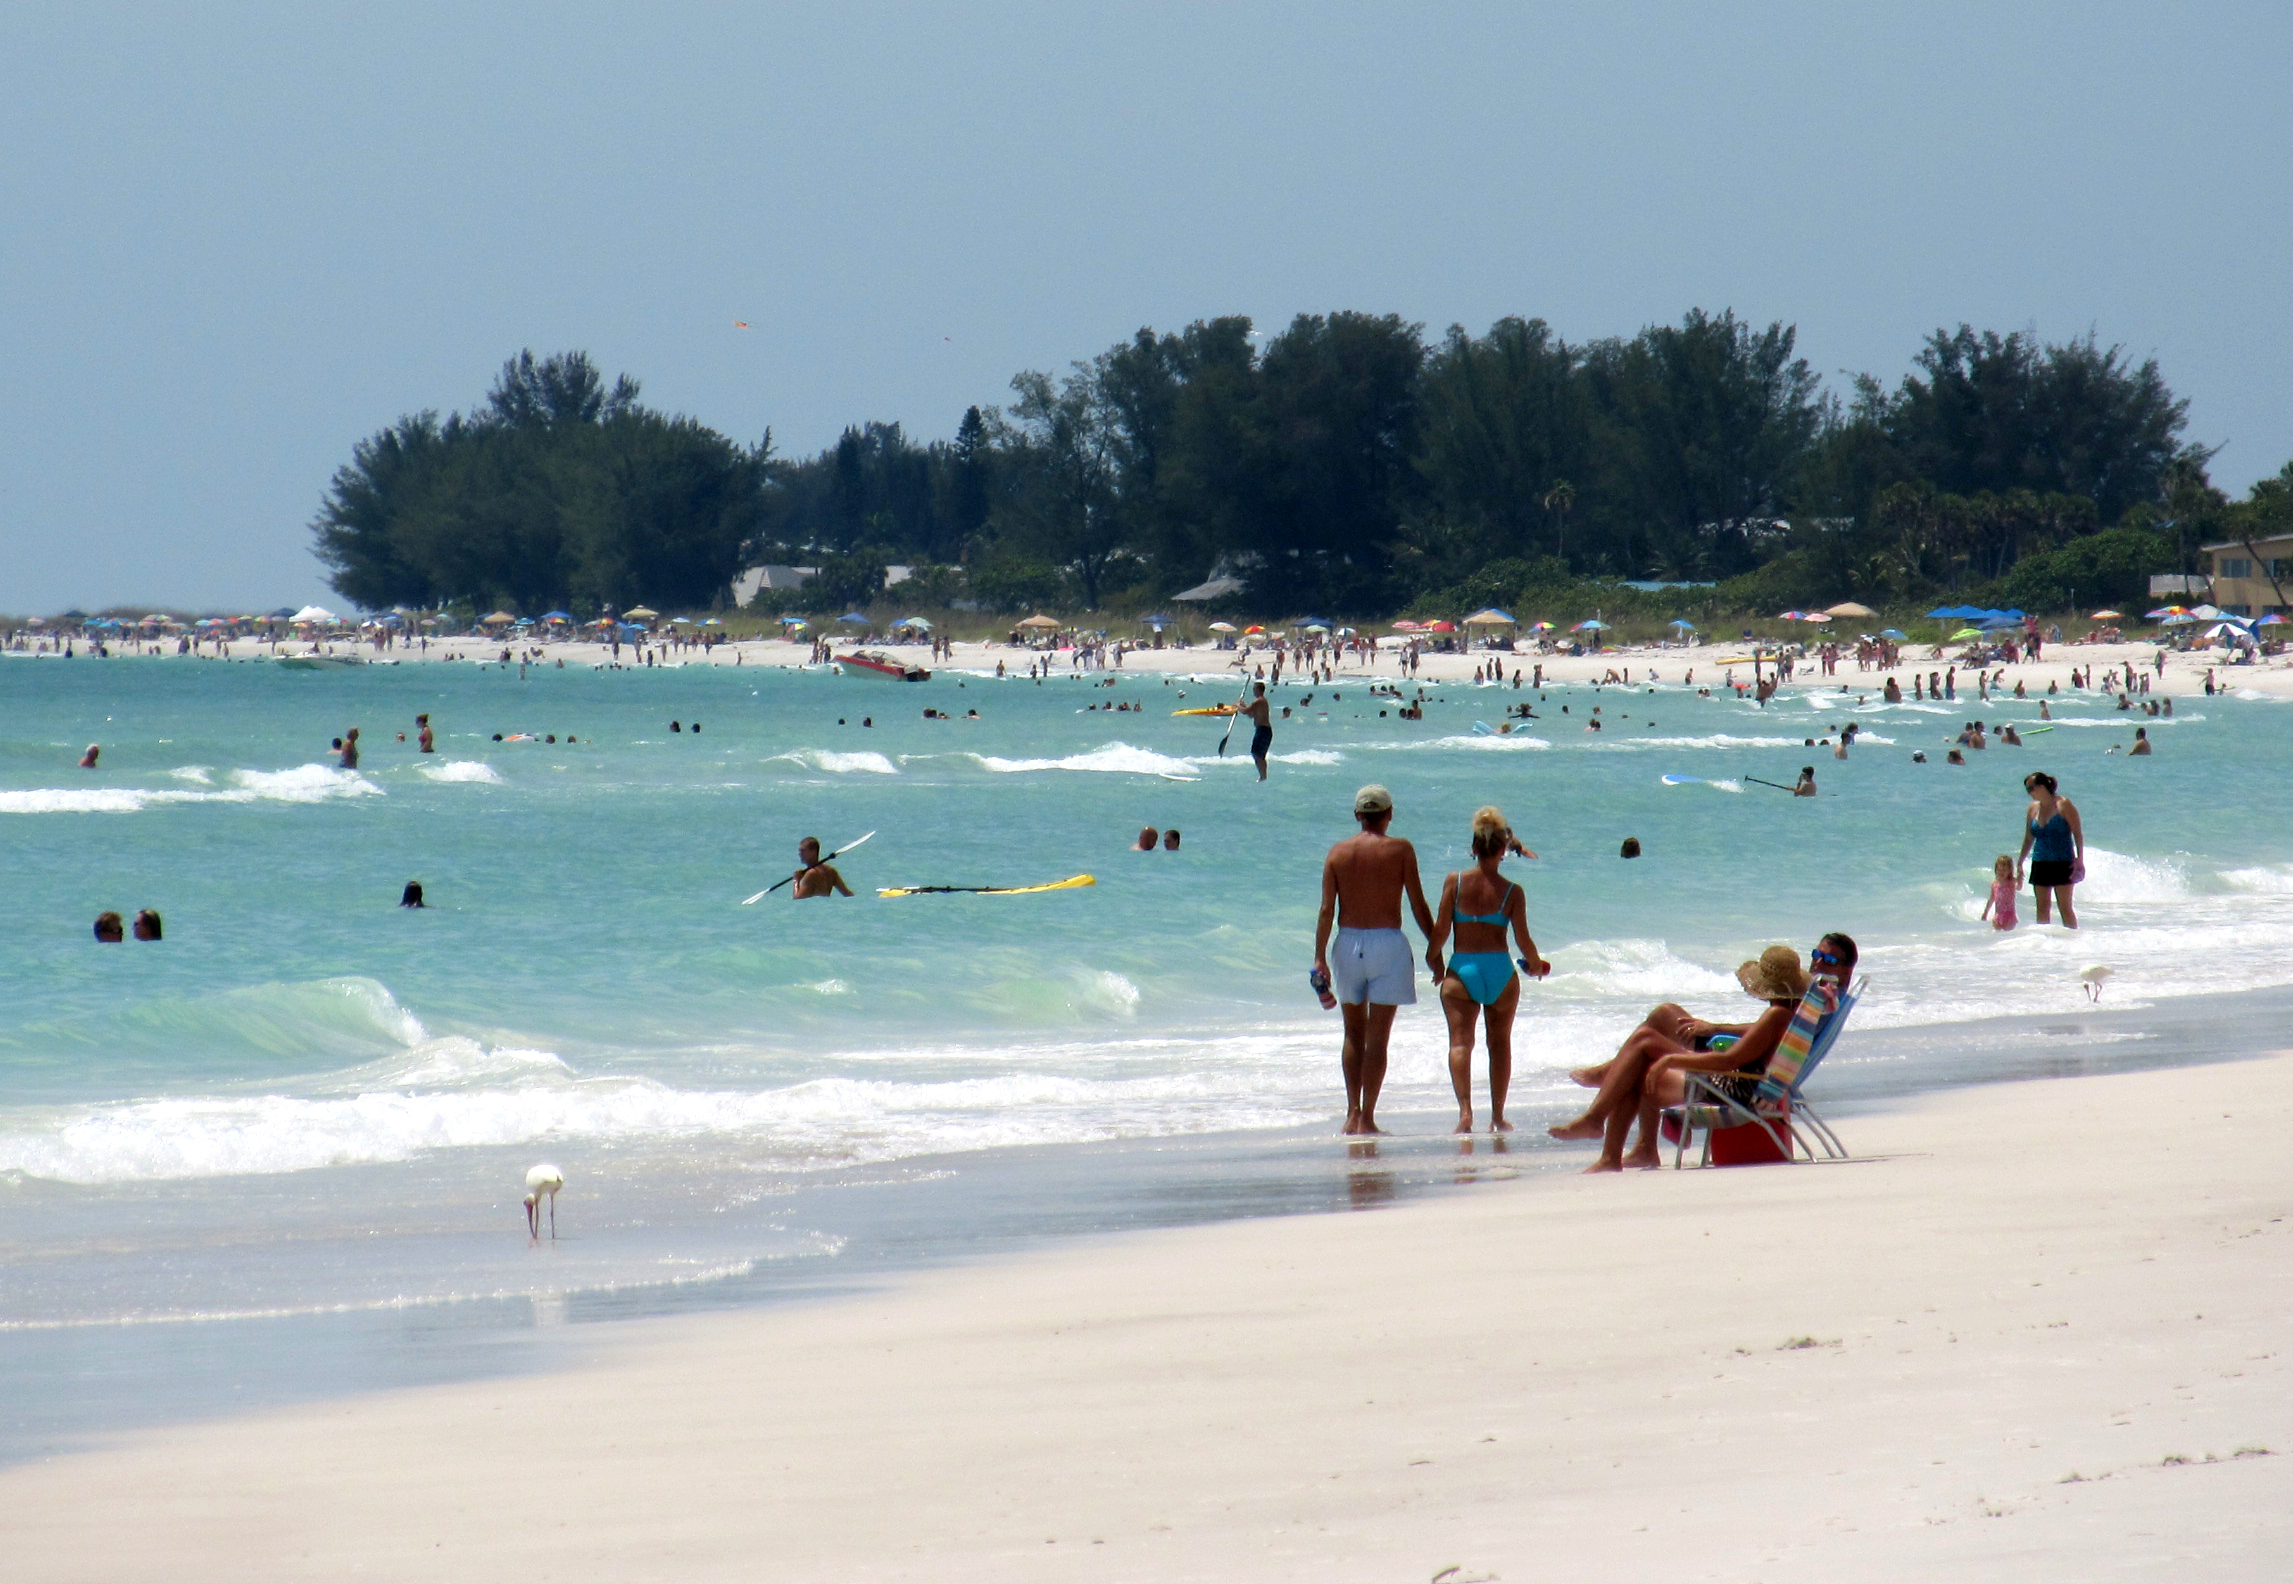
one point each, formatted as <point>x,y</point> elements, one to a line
<point>109,929</point>
<point>1806,784</point>
<point>411,897</point>
<point>88,759</point>
<point>1149,839</point>
<point>814,878</point>
<point>147,925</point>
<point>1170,839</point>
<point>423,735</point>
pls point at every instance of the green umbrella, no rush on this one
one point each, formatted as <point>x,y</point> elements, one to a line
<point>1966,632</point>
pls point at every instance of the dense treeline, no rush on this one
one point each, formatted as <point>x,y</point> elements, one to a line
<point>1344,464</point>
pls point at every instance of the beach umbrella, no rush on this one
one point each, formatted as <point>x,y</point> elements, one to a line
<point>1222,626</point>
<point>2185,619</point>
<point>1850,608</point>
<point>1893,636</point>
<point>311,613</point>
<point>1252,628</point>
<point>1042,623</point>
<point>2000,621</point>
<point>1816,616</point>
<point>497,618</point>
<point>1491,617</point>
<point>1966,632</point>
<point>1441,627</point>
<point>1681,626</point>
<point>2105,615</point>
<point>639,613</point>
<point>916,622</point>
<point>557,616</point>
<point>1158,622</point>
<point>1589,625</point>
<point>1405,626</point>
<point>1540,626</point>
<point>2163,611</point>
<point>854,618</point>
<point>2273,619</point>
<point>1791,615</point>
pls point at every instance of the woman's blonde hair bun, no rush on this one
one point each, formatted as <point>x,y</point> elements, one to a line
<point>1490,832</point>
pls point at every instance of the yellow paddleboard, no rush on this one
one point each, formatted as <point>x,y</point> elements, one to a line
<point>1072,882</point>
<point>1215,709</point>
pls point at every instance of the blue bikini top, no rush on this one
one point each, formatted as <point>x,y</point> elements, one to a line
<point>1497,918</point>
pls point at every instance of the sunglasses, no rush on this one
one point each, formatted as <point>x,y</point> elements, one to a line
<point>1822,956</point>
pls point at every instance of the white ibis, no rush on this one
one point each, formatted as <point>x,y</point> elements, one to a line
<point>2093,978</point>
<point>542,1180</point>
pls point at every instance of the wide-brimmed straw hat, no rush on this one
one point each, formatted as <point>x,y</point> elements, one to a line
<point>1774,976</point>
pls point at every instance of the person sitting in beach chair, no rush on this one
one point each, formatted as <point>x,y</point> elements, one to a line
<point>1645,1075</point>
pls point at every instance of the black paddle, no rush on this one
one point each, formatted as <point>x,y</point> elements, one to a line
<point>1778,785</point>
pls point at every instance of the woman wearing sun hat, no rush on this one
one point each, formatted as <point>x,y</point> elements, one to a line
<point>1645,1074</point>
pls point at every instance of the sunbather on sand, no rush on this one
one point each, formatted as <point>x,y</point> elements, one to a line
<point>1644,1075</point>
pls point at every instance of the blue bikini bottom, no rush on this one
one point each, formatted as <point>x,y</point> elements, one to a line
<point>1484,974</point>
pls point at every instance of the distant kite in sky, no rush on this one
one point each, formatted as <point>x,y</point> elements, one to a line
<point>740,324</point>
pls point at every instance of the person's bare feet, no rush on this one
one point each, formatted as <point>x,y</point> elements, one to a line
<point>1464,1122</point>
<point>1500,1125</point>
<point>1644,1160</point>
<point>1585,1077</point>
<point>1581,1128</point>
<point>1603,1166</point>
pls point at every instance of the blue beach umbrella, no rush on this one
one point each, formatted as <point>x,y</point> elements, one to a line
<point>1892,635</point>
<point>1684,626</point>
<point>853,616</point>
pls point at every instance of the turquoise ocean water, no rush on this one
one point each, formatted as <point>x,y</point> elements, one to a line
<point>308,1102</point>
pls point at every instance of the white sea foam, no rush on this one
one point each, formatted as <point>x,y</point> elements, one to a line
<point>2268,879</point>
<point>826,1119</point>
<point>462,770</point>
<point>835,763</point>
<point>197,775</point>
<point>1303,756</point>
<point>1117,758</point>
<point>312,783</point>
<point>1490,742</point>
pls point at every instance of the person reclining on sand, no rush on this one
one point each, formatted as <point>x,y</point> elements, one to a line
<point>1644,1075</point>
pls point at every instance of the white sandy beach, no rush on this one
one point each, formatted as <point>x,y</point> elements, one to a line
<point>2183,677</point>
<point>2032,1332</point>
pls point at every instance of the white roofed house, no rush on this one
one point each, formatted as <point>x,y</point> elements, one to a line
<point>2252,578</point>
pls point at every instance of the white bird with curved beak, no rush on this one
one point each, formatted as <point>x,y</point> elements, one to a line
<point>542,1180</point>
<point>2094,978</point>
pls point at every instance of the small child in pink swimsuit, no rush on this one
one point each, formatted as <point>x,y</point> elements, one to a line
<point>2000,908</point>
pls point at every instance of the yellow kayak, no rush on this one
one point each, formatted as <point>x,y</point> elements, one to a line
<point>1072,882</point>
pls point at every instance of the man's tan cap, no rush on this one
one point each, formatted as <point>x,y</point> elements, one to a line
<point>1373,799</point>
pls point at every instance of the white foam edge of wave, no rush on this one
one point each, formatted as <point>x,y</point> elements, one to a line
<point>834,761</point>
<point>454,771</point>
<point>310,783</point>
<point>823,1245</point>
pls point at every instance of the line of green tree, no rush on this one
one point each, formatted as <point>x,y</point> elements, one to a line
<point>1345,464</point>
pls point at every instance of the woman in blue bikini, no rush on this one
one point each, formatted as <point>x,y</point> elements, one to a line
<point>1479,903</point>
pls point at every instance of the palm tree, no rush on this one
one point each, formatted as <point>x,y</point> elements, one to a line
<point>1560,500</point>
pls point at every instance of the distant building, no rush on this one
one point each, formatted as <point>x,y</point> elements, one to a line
<point>749,583</point>
<point>2164,583</point>
<point>2252,581</point>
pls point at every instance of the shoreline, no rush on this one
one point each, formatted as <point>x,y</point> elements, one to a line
<point>1916,1350</point>
<point>2184,675</point>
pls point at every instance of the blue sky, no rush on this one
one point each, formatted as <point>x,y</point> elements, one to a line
<point>236,239</point>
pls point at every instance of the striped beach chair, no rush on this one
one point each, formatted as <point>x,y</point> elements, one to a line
<point>1778,1106</point>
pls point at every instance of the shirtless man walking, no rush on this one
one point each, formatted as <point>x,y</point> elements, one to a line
<point>1363,879</point>
<point>814,878</point>
<point>1261,716</point>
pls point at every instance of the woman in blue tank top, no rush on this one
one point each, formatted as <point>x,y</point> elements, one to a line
<point>2054,841</point>
<point>1480,904</point>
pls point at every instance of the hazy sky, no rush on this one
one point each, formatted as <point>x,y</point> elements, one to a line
<point>234,239</point>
